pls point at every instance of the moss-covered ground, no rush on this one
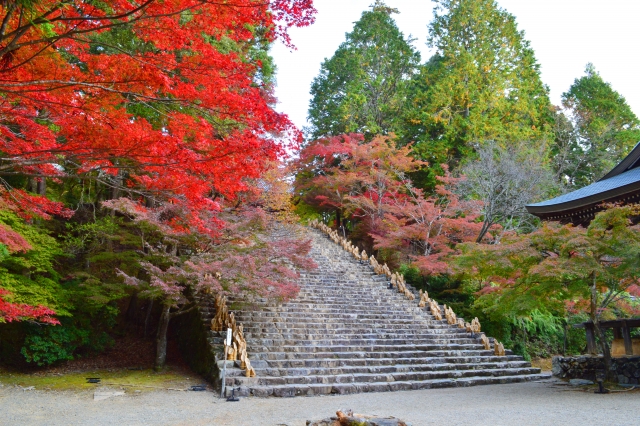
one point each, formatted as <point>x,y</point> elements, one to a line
<point>127,365</point>
<point>142,380</point>
<point>132,380</point>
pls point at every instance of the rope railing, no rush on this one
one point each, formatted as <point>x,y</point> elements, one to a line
<point>237,351</point>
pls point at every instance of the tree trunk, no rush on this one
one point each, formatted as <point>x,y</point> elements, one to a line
<point>338,219</point>
<point>115,189</point>
<point>595,319</point>
<point>42,186</point>
<point>564,340</point>
<point>117,185</point>
<point>161,340</point>
<point>38,185</point>
<point>482,233</point>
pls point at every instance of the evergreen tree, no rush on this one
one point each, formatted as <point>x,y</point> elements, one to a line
<point>482,84</point>
<point>605,129</point>
<point>362,87</point>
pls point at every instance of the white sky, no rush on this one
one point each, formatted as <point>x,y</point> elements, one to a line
<point>565,35</point>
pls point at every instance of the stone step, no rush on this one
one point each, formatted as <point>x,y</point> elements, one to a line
<point>417,323</point>
<point>309,352</point>
<point>350,388</point>
<point>355,342</point>
<point>285,316</point>
<point>340,318</point>
<point>323,311</point>
<point>317,323</point>
<point>344,354</point>
<point>314,334</point>
<point>373,377</point>
<point>338,328</point>
<point>355,306</point>
<point>288,361</point>
<point>385,369</point>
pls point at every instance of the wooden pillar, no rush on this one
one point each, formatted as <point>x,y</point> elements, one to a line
<point>591,339</point>
<point>626,335</point>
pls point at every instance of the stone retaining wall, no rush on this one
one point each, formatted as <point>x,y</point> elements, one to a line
<point>627,369</point>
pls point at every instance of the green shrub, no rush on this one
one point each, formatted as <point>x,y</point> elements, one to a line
<point>46,345</point>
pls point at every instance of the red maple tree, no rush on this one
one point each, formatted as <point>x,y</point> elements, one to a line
<point>370,184</point>
<point>161,99</point>
<point>164,101</point>
<point>426,228</point>
<point>22,312</point>
<point>354,178</point>
<point>254,255</point>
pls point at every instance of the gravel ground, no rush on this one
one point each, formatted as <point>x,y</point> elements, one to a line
<point>540,403</point>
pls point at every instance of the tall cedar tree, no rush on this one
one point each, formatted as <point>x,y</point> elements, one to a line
<point>605,129</point>
<point>362,88</point>
<point>75,76</point>
<point>483,83</point>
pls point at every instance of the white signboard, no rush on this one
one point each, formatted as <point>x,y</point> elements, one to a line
<point>228,342</point>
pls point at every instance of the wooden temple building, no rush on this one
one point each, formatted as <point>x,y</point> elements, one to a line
<point>622,184</point>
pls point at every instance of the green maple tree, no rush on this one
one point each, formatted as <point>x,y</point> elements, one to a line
<point>560,270</point>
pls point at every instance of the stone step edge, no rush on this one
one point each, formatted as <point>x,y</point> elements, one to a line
<point>454,374</point>
<point>349,388</point>
<point>444,366</point>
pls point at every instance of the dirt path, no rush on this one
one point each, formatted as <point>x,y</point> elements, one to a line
<point>543,403</point>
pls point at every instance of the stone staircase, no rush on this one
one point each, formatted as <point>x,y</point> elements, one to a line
<point>346,332</point>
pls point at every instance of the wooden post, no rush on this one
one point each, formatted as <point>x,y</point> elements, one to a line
<point>626,335</point>
<point>591,339</point>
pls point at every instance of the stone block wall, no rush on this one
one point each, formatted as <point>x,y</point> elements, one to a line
<point>627,369</point>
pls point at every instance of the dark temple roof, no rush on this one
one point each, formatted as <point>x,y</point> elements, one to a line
<point>622,183</point>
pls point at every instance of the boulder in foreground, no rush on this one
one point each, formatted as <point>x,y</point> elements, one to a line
<point>348,418</point>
